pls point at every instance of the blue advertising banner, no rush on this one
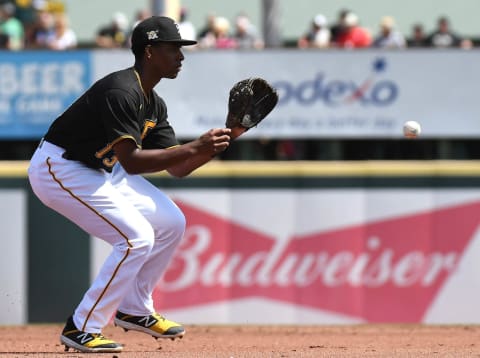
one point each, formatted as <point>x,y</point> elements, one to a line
<point>36,86</point>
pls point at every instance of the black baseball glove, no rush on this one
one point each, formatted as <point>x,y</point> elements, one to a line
<point>250,101</point>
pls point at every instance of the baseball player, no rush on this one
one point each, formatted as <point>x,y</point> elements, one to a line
<point>87,168</point>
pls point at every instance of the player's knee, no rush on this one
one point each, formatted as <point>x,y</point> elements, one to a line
<point>168,222</point>
<point>178,224</point>
<point>173,228</point>
<point>143,240</point>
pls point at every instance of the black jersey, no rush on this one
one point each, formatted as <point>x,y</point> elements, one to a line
<point>112,109</point>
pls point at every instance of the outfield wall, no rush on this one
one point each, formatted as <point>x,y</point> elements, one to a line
<point>274,243</point>
<point>323,94</point>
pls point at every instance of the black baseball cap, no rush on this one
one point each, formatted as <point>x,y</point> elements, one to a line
<point>157,29</point>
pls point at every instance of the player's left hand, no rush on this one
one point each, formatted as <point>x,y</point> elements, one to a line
<point>249,102</point>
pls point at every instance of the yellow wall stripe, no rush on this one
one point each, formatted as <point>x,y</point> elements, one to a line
<point>218,168</point>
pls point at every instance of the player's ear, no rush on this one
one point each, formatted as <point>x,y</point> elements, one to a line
<point>148,51</point>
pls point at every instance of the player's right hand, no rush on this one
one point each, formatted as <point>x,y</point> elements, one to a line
<point>214,141</point>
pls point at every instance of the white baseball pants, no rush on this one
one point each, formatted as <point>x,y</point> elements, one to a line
<point>140,222</point>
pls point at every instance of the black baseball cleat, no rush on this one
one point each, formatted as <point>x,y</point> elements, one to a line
<point>154,325</point>
<point>86,342</point>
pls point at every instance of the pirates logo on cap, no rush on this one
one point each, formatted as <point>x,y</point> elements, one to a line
<point>152,35</point>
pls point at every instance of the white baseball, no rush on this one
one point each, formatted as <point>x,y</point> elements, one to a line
<point>411,129</point>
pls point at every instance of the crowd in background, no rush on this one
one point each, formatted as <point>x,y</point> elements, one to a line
<point>36,24</point>
<point>43,24</point>
<point>347,32</point>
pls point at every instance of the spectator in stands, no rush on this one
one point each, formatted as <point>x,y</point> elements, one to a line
<point>353,35</point>
<point>207,29</point>
<point>389,37</point>
<point>141,15</point>
<point>115,34</point>
<point>219,37</point>
<point>223,39</point>
<point>185,27</point>
<point>418,37</point>
<point>11,27</point>
<point>318,36</point>
<point>3,41</point>
<point>43,30</point>
<point>206,37</point>
<point>26,12</point>
<point>65,37</point>
<point>245,35</point>
<point>443,36</point>
<point>338,27</point>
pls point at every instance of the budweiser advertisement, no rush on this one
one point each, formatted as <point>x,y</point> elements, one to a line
<point>325,256</point>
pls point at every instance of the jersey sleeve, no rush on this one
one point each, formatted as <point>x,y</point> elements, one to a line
<point>162,135</point>
<point>119,116</point>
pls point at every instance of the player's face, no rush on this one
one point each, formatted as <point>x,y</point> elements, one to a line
<point>167,59</point>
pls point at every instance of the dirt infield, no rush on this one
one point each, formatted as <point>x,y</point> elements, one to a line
<point>263,341</point>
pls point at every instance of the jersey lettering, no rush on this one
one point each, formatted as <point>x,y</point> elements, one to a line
<point>110,161</point>
<point>148,126</point>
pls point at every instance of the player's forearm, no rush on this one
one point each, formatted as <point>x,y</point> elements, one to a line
<point>206,147</point>
<point>180,160</point>
<point>155,160</point>
<point>188,166</point>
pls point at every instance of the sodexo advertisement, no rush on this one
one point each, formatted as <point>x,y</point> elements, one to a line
<point>334,93</point>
